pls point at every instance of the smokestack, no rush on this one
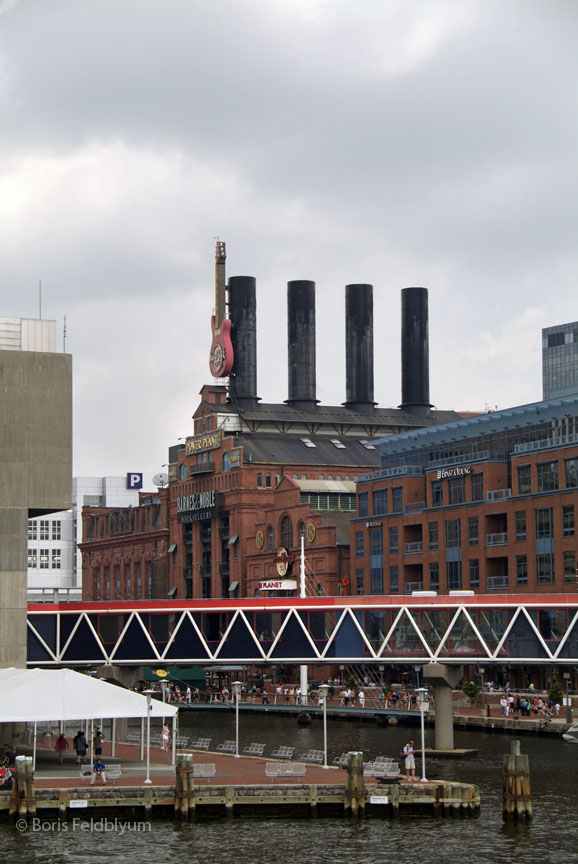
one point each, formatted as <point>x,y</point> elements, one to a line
<point>301,344</point>
<point>243,316</point>
<point>359,347</point>
<point>415,351</point>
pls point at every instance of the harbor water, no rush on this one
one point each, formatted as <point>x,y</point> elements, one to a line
<point>553,833</point>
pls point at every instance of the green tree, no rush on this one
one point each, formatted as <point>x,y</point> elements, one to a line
<point>555,692</point>
<point>471,690</point>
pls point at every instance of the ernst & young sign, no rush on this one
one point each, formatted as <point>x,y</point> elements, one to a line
<point>453,472</point>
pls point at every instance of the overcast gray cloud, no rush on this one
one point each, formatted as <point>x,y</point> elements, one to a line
<point>425,143</point>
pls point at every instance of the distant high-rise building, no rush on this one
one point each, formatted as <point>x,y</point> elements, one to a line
<point>560,361</point>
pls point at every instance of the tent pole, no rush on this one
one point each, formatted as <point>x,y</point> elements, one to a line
<point>113,744</point>
<point>92,741</point>
<point>34,749</point>
<point>142,720</point>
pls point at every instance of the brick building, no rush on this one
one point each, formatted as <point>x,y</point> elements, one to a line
<point>484,504</point>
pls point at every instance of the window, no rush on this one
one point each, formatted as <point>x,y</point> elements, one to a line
<point>270,539</point>
<point>259,481</point>
<point>96,584</point>
<point>302,532</point>
<point>437,493</point>
<point>394,580</point>
<point>524,480</point>
<point>56,559</point>
<point>396,499</point>
<point>376,560</point>
<point>477,487</point>
<point>32,530</point>
<point>44,529</point>
<point>545,568</point>
<point>363,504</point>
<point>457,490</point>
<point>308,442</point>
<point>117,581</point>
<point>267,481</point>
<point>45,559</point>
<point>138,579</point>
<point>521,570</point>
<point>149,580</point>
<point>452,533</point>
<point>474,573</point>
<point>127,580</point>
<point>434,575</point>
<point>520,520</point>
<point>543,523</point>
<point>182,471</point>
<point>32,559</point>
<point>568,520</point>
<point>433,535</point>
<point>473,538</point>
<point>393,539</point>
<point>107,583</point>
<point>56,529</point>
<point>454,575</point>
<point>547,476</point>
<point>359,547</point>
<point>286,532</point>
<point>380,502</point>
<point>570,566</point>
<point>360,578</point>
<point>337,443</point>
<point>571,466</point>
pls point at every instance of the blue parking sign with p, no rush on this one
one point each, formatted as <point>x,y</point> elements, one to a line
<point>134,481</point>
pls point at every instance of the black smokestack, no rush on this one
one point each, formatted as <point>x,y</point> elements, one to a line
<point>301,343</point>
<point>243,316</point>
<point>359,347</point>
<point>415,350</point>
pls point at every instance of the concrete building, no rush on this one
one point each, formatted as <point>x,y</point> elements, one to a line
<point>54,561</point>
<point>35,459</point>
<point>485,504</point>
<point>560,361</point>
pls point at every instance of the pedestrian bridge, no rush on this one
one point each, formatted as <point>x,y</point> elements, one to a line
<point>537,629</point>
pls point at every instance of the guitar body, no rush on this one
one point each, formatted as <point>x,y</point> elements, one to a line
<point>221,356</point>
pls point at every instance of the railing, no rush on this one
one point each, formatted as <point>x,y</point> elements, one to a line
<point>412,548</point>
<point>397,471</point>
<point>206,572</point>
<point>499,494</point>
<point>206,468</point>
<point>412,586</point>
<point>497,582</point>
<point>497,539</point>
<point>546,443</point>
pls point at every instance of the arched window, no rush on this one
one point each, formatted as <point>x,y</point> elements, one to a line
<point>286,532</point>
<point>259,480</point>
<point>270,539</point>
<point>183,471</point>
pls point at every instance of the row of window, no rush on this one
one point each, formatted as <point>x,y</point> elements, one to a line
<point>547,476</point>
<point>545,574</point>
<point>265,481</point>
<point>44,559</point>
<point>119,583</point>
<point>44,529</point>
<point>543,520</point>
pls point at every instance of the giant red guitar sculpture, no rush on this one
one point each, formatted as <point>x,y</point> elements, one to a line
<point>221,356</point>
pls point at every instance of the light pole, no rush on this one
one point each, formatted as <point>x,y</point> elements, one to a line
<point>422,691</point>
<point>148,694</point>
<point>324,690</point>
<point>567,676</point>
<point>236,685</point>
<point>481,670</point>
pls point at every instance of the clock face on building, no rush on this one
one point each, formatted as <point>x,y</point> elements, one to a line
<point>259,539</point>
<point>310,532</point>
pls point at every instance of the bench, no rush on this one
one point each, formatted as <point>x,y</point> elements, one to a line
<point>205,771</point>
<point>313,756</point>
<point>254,749</point>
<point>283,753</point>
<point>201,744</point>
<point>285,769</point>
<point>113,772</point>
<point>341,761</point>
<point>227,747</point>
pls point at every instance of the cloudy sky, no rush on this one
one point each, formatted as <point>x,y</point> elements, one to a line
<point>398,143</point>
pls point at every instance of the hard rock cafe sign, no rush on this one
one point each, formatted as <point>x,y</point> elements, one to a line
<point>283,560</point>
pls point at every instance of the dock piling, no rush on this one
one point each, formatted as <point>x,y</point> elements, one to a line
<point>517,798</point>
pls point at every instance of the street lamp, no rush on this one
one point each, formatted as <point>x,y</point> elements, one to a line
<point>422,691</point>
<point>148,694</point>
<point>567,676</point>
<point>236,685</point>
<point>324,690</point>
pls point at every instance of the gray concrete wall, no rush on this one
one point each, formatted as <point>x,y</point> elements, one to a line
<point>35,473</point>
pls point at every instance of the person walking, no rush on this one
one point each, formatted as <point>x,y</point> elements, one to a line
<point>409,760</point>
<point>81,746</point>
<point>165,735</point>
<point>61,747</point>
<point>97,741</point>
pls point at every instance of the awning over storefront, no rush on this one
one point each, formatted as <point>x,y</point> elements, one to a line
<point>174,673</point>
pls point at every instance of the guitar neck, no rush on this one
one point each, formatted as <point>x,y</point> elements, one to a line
<point>220,259</point>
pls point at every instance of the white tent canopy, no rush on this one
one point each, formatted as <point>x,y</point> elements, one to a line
<point>33,695</point>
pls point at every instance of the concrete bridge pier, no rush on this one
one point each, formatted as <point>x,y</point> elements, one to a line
<point>444,678</point>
